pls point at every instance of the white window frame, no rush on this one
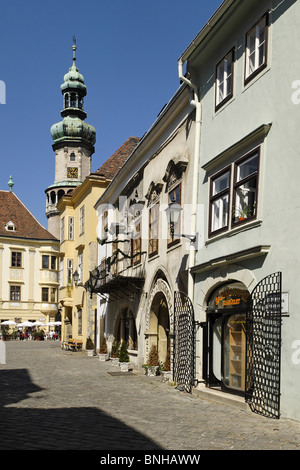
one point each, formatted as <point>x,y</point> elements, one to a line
<point>81,221</point>
<point>254,33</point>
<point>224,77</point>
<point>62,229</point>
<point>69,271</point>
<point>80,267</point>
<point>71,228</point>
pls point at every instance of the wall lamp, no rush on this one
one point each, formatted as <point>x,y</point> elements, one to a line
<point>76,277</point>
<point>173,212</point>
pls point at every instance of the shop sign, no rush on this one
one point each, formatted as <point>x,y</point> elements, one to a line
<point>231,297</point>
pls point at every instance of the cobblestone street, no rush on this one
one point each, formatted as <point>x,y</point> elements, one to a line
<point>59,400</point>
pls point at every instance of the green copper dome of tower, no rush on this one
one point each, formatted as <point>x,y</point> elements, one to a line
<point>73,143</point>
<point>72,127</point>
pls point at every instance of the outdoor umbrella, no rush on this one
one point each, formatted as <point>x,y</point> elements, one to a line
<point>8,322</point>
<point>25,323</point>
<point>37,323</point>
<point>50,323</point>
<point>57,323</point>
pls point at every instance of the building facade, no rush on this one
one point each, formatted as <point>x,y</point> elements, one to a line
<point>246,283</point>
<point>79,249</point>
<point>142,258</point>
<point>28,265</point>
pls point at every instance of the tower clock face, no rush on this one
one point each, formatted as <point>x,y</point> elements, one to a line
<point>72,173</point>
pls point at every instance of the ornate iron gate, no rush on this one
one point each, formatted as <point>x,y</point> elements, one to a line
<point>183,346</point>
<point>263,347</point>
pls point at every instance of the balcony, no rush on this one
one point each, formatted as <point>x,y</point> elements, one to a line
<point>115,282</point>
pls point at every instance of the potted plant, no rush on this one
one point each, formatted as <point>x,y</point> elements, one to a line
<point>103,355</point>
<point>153,362</point>
<point>124,357</point>
<point>114,355</point>
<point>89,346</point>
<point>243,212</point>
<point>164,369</point>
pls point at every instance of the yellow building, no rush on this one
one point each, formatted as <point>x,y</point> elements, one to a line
<point>28,265</point>
<point>79,248</point>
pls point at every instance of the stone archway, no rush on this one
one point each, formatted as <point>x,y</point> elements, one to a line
<point>159,319</point>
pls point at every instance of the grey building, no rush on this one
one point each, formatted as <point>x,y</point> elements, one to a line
<point>242,68</point>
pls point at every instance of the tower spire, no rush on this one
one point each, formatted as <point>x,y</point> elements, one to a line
<point>74,48</point>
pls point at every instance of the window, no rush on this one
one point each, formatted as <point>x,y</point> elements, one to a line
<point>153,229</point>
<point>72,157</point>
<point>71,228</point>
<point>62,229</point>
<point>79,311</point>
<point>16,259</point>
<point>45,262</point>
<point>104,226</point>
<point>80,267</point>
<point>53,262</point>
<point>224,80</point>
<point>245,188</point>
<point>61,273</point>
<point>15,293</point>
<point>256,48</point>
<point>175,197</point>
<point>45,294</point>
<point>81,221</point>
<point>136,242</point>
<point>69,272</point>
<point>219,201</point>
<point>243,202</point>
<point>53,295</point>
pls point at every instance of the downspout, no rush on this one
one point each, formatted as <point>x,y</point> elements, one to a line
<point>196,162</point>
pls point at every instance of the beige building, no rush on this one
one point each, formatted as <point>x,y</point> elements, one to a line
<point>143,259</point>
<point>79,248</point>
<point>28,265</point>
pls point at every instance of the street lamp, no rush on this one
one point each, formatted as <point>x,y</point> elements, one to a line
<point>76,277</point>
<point>173,212</point>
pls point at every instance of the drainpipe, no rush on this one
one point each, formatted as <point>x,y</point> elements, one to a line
<point>196,161</point>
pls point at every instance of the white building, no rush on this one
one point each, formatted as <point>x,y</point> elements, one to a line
<point>28,265</point>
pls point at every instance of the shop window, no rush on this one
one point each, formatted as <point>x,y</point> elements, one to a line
<point>225,357</point>
<point>224,80</point>
<point>256,48</point>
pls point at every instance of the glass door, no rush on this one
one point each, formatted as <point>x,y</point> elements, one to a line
<point>234,351</point>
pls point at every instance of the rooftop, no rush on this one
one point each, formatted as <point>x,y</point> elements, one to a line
<point>112,165</point>
<point>17,222</point>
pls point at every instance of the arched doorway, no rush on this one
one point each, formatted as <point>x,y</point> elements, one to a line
<point>159,325</point>
<point>224,352</point>
<point>125,329</point>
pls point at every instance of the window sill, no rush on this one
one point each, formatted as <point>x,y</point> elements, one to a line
<point>235,231</point>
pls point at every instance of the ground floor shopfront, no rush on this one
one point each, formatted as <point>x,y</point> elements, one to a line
<point>245,334</point>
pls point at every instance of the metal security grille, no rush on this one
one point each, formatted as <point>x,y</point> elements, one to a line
<point>183,352</point>
<point>263,347</point>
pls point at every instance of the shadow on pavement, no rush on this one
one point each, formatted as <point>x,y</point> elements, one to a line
<point>60,428</point>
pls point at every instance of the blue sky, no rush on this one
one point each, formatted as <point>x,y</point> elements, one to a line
<point>127,51</point>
